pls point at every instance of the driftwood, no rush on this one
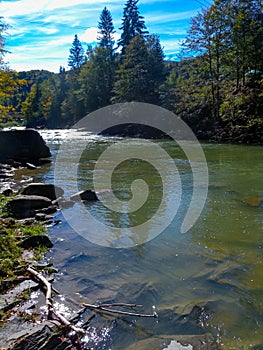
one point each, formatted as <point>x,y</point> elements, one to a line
<point>53,314</point>
<point>49,302</point>
<point>105,308</point>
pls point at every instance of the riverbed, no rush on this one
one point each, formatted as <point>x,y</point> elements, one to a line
<point>206,284</point>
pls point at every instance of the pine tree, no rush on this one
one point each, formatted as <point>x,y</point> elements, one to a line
<point>141,72</point>
<point>77,56</point>
<point>132,24</point>
<point>32,109</point>
<point>106,29</point>
<point>96,79</point>
<point>3,28</point>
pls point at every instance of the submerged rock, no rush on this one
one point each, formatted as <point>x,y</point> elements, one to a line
<point>46,190</point>
<point>87,195</point>
<point>21,207</point>
<point>22,145</point>
<point>64,203</point>
<point>253,201</point>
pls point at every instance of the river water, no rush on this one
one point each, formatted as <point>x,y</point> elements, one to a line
<point>206,284</point>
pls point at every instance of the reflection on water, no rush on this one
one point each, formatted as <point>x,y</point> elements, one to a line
<point>206,284</point>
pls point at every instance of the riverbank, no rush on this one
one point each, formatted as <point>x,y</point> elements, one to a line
<point>23,268</point>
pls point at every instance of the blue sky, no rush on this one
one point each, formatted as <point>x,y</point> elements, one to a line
<point>42,31</point>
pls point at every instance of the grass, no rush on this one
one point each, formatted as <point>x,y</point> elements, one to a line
<point>12,263</point>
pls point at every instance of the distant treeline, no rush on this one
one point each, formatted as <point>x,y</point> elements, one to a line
<point>216,86</point>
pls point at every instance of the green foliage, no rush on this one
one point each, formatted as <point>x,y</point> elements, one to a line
<point>32,108</point>
<point>9,84</point>
<point>215,87</point>
<point>77,56</point>
<point>106,29</point>
<point>132,24</point>
<point>241,115</point>
<point>3,28</point>
<point>96,79</point>
<point>11,233</point>
<point>141,72</point>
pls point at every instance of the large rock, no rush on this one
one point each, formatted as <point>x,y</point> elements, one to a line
<point>46,190</point>
<point>36,241</point>
<point>21,207</point>
<point>22,145</point>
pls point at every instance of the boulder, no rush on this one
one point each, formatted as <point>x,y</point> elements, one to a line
<point>7,192</point>
<point>46,190</point>
<point>64,203</point>
<point>87,195</point>
<point>36,241</point>
<point>21,207</point>
<point>22,145</point>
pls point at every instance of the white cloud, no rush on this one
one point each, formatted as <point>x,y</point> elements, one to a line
<point>170,17</point>
<point>26,7</point>
<point>22,7</point>
<point>90,35</point>
<point>48,31</point>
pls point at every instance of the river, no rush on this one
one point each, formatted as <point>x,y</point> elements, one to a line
<point>206,284</point>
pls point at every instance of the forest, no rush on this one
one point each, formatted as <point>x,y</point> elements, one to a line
<point>215,86</point>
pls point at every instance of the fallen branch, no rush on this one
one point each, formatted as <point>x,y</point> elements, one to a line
<point>120,304</point>
<point>47,285</point>
<point>103,308</point>
<point>49,302</point>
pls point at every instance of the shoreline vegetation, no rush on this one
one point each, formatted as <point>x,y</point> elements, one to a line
<point>215,86</point>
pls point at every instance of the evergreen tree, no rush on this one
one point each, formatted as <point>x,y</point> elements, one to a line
<point>96,79</point>
<point>3,28</point>
<point>32,108</point>
<point>106,29</point>
<point>132,24</point>
<point>141,71</point>
<point>54,92</point>
<point>9,83</point>
<point>77,56</point>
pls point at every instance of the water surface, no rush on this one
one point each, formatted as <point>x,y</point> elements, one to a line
<point>206,284</point>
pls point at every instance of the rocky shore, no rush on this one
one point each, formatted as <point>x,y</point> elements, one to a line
<point>26,210</point>
<point>23,239</point>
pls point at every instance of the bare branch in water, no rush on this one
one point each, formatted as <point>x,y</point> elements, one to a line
<point>102,308</point>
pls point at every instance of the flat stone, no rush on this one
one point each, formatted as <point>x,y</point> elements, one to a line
<point>10,299</point>
<point>21,207</point>
<point>65,204</point>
